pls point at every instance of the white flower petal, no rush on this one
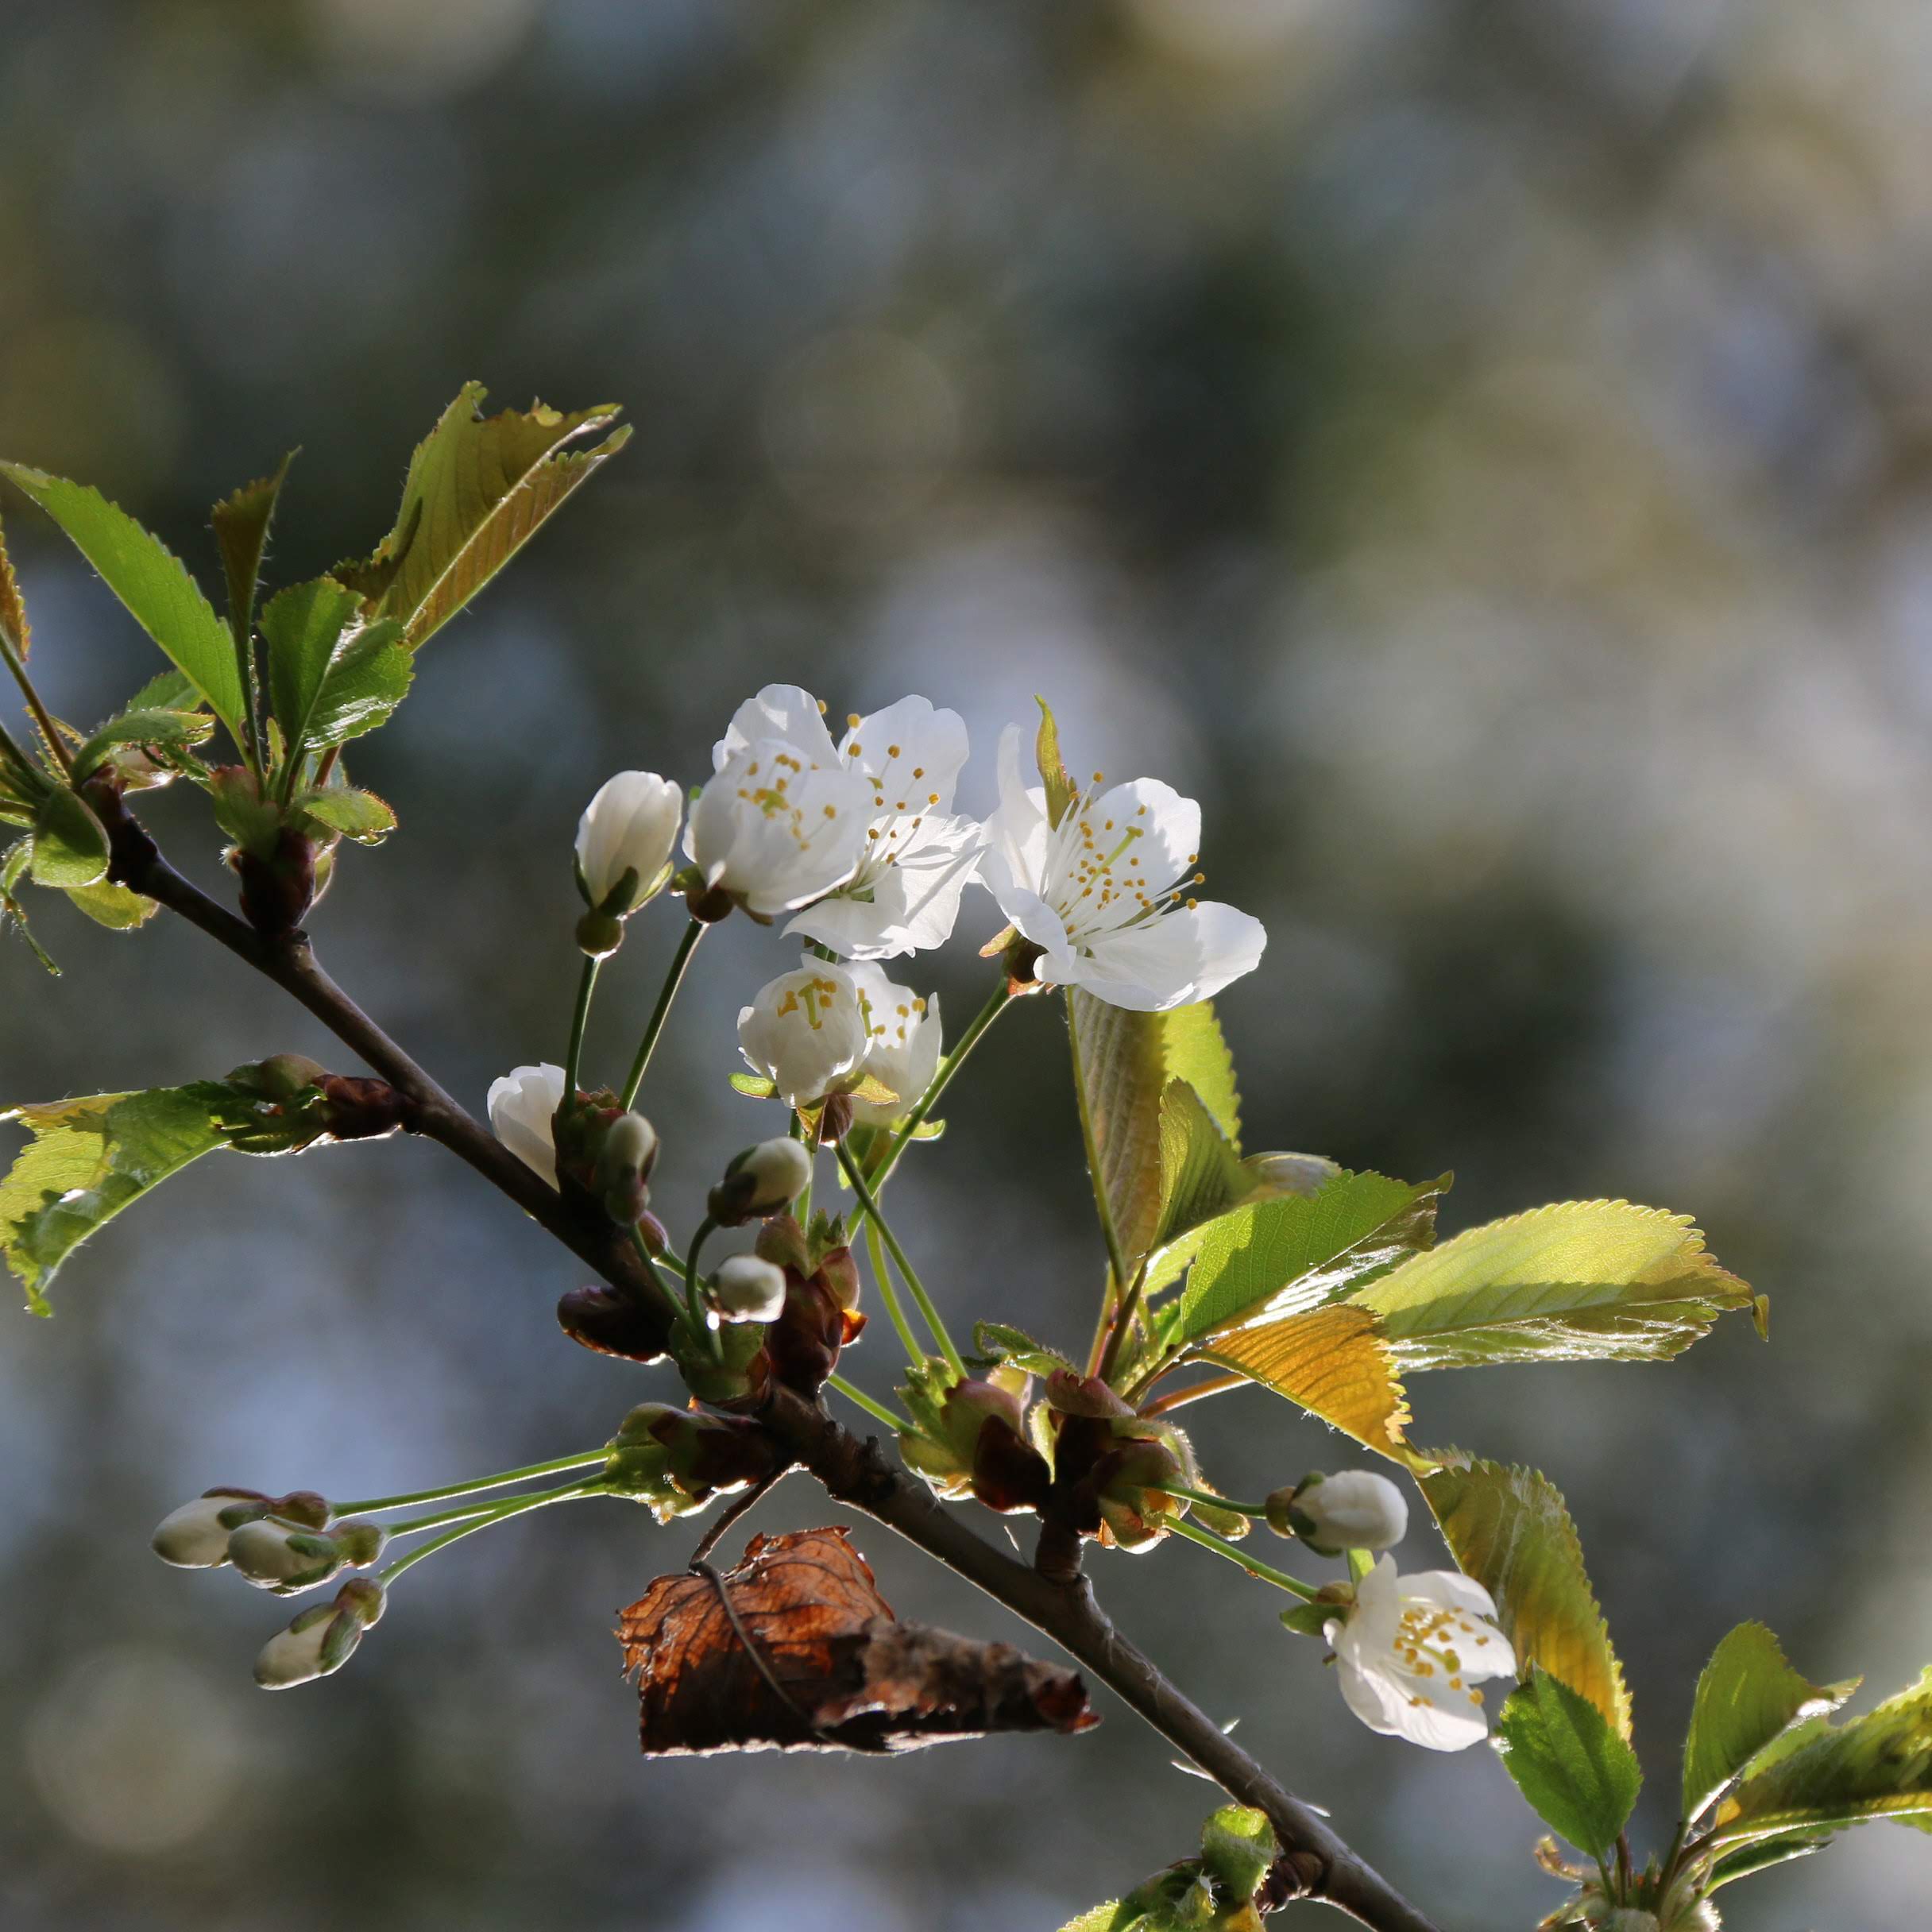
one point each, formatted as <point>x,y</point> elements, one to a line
<point>776,831</point>
<point>1172,959</point>
<point>805,1030</point>
<point>783,711</point>
<point>911,752</point>
<point>909,906</point>
<point>631,824</point>
<point>521,1104</point>
<point>1017,835</point>
<point>902,1043</point>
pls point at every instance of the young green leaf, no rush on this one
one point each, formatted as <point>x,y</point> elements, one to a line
<point>1271,1258</point>
<point>331,678</point>
<point>1202,1175</point>
<point>1580,1777</point>
<point>1578,1281</point>
<point>477,490</point>
<point>1238,1846</point>
<point>13,610</point>
<point>90,1158</point>
<point>1878,1766</point>
<point>1015,1345</point>
<point>113,907</point>
<point>1060,789</point>
<point>152,582</point>
<point>1748,1697</point>
<point>1509,1530</point>
<point>70,842</point>
<point>358,815</point>
<point>167,690</point>
<point>242,523</point>
<point>1127,1062</point>
<point>175,728</point>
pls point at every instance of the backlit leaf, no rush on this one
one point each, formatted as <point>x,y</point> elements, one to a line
<point>1201,1172</point>
<point>1580,1776</point>
<point>1509,1530</point>
<point>151,581</point>
<point>1332,1363</point>
<point>116,907</point>
<point>477,490</point>
<point>1060,789</point>
<point>330,677</point>
<point>1748,1697</point>
<point>358,815</point>
<point>241,522</point>
<point>70,842</point>
<point>157,728</point>
<point>1577,1282</point>
<point>13,610</point>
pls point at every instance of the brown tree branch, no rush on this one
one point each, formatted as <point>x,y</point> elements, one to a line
<point>853,1472</point>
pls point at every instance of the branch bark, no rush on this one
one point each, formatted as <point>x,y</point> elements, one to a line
<point>852,1472</point>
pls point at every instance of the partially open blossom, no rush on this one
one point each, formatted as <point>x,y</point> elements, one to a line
<point>1353,1509</point>
<point>522,1105</point>
<point>901,1043</point>
<point>628,834</point>
<point>1102,894</point>
<point>918,855</point>
<point>805,1031</point>
<point>1411,1651</point>
<point>322,1638</point>
<point>194,1537</point>
<point>760,1181</point>
<point>781,821</point>
<point>747,1289</point>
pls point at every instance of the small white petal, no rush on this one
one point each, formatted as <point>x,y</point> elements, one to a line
<point>1173,959</point>
<point>522,1105</point>
<point>902,1043</point>
<point>912,752</point>
<point>805,1030</point>
<point>784,711</point>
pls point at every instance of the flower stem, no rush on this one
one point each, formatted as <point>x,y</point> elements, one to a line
<point>586,986</point>
<point>701,1329</point>
<point>497,1513</point>
<point>1221,1547</point>
<point>583,1459</point>
<point>56,745</point>
<point>1002,998</point>
<point>877,1411</point>
<point>1115,1256</point>
<point>890,1296</point>
<point>1258,1511</point>
<point>869,1202</point>
<point>686,946</point>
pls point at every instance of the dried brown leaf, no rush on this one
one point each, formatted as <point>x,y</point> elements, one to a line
<point>853,1677</point>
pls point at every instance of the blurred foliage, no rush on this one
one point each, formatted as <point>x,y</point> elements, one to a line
<point>1479,450</point>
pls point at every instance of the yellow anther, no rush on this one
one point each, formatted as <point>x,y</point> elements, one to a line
<point>851,718</point>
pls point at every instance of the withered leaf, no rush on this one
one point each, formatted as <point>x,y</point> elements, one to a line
<point>854,1677</point>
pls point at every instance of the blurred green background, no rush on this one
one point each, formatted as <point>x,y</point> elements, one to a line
<point>1480,450</point>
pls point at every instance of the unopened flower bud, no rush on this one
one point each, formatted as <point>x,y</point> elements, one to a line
<point>839,1273</point>
<point>624,1165</point>
<point>195,1537</point>
<point>1353,1509</point>
<point>676,1460</point>
<point>747,1289</point>
<point>624,841</point>
<point>281,1076</point>
<point>761,1180</point>
<point>271,1553</point>
<point>322,1638</point>
<point>522,1105</point>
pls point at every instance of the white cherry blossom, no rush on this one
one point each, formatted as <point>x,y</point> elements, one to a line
<point>1352,1509</point>
<point>902,1043</point>
<point>1101,893</point>
<point>806,1031</point>
<point>1411,1651</point>
<point>521,1105</point>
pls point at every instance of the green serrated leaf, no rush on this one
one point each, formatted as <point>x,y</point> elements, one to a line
<point>151,581</point>
<point>330,677</point>
<point>1017,1346</point>
<point>167,690</point>
<point>1878,1766</point>
<point>13,609</point>
<point>358,815</point>
<point>70,842</point>
<point>1580,1777</point>
<point>1760,1855</point>
<point>1269,1259</point>
<point>1060,789</point>
<point>1577,1282</point>
<point>1202,1174</point>
<point>1126,1060</point>
<point>90,1158</point>
<point>1748,1697</point>
<point>156,727</point>
<point>477,490</point>
<point>1107,1918</point>
<point>241,521</point>
<point>116,907</point>
<point>1509,1530</point>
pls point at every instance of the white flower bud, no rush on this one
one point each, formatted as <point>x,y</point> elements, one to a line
<point>1353,1509</point>
<point>294,1656</point>
<point>522,1105</point>
<point>194,1537</point>
<point>630,826</point>
<point>274,1553</point>
<point>747,1289</point>
<point>761,1180</point>
<point>806,1031</point>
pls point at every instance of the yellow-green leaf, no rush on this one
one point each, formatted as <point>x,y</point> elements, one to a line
<point>242,520</point>
<point>477,490</point>
<point>1577,1282</point>
<point>13,610</point>
<point>1201,1173</point>
<point>1060,789</point>
<point>70,842</point>
<point>1509,1530</point>
<point>1332,1363</point>
<point>113,907</point>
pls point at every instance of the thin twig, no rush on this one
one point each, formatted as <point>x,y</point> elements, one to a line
<point>712,1537</point>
